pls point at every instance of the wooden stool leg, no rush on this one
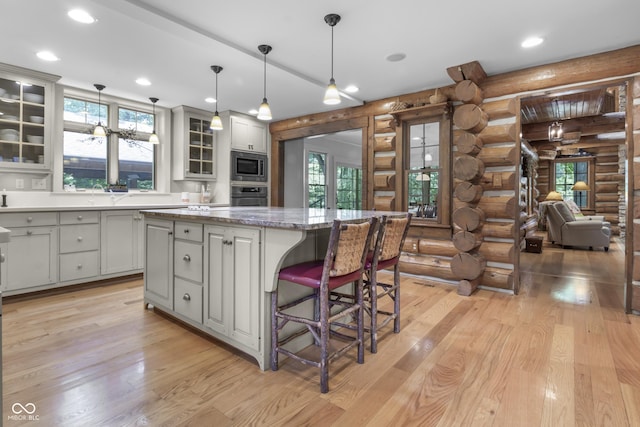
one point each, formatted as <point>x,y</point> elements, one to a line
<point>324,342</point>
<point>396,299</point>
<point>360,327</point>
<point>373,297</point>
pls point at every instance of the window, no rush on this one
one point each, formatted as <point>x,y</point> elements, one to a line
<point>124,157</point>
<point>566,174</point>
<point>317,179</point>
<point>348,187</point>
<point>424,170</point>
<point>426,140</point>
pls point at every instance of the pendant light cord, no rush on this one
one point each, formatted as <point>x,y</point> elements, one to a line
<point>265,76</point>
<point>332,52</point>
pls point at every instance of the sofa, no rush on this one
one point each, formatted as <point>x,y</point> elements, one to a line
<point>566,229</point>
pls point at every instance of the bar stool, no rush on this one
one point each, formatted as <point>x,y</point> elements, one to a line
<point>343,264</point>
<point>386,254</point>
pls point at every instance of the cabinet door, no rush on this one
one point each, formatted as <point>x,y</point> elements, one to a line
<point>216,270</point>
<point>244,260</point>
<point>119,246</point>
<point>247,135</point>
<point>158,272</point>
<point>31,258</point>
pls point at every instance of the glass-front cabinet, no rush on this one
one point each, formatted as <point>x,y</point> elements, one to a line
<point>194,147</point>
<point>200,147</point>
<point>25,104</point>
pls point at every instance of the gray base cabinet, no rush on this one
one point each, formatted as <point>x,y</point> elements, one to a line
<point>122,241</point>
<point>208,276</point>
<point>158,270</point>
<point>233,283</point>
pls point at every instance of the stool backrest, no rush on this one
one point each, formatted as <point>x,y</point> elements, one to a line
<point>391,235</point>
<point>347,246</point>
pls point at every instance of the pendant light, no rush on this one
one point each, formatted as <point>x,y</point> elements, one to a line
<point>264,112</point>
<point>216,122</point>
<point>99,129</point>
<point>555,128</point>
<point>154,136</point>
<point>332,96</point>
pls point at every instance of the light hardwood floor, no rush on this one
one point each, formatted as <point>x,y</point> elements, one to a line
<point>561,353</point>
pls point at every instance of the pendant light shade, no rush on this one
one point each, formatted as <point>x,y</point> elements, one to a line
<point>264,112</point>
<point>99,129</point>
<point>216,122</point>
<point>332,96</point>
<point>153,138</point>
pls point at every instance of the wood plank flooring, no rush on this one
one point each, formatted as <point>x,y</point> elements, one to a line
<point>561,353</point>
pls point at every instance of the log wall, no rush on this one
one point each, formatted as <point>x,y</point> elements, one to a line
<point>430,255</point>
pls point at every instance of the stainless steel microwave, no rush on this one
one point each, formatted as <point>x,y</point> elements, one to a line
<point>249,166</point>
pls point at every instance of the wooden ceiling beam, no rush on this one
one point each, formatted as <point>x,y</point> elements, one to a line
<point>587,126</point>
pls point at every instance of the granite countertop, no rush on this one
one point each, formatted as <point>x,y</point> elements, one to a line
<point>273,217</point>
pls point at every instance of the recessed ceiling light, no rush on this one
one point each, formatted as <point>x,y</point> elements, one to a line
<point>45,55</point>
<point>253,111</point>
<point>143,81</point>
<point>532,41</point>
<point>351,89</point>
<point>210,100</point>
<point>80,15</point>
<point>395,57</point>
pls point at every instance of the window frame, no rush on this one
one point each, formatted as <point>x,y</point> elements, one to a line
<point>591,175</point>
<point>162,151</point>
<point>349,166</point>
<point>440,113</point>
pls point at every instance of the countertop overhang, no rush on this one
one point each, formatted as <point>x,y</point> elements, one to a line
<point>272,217</point>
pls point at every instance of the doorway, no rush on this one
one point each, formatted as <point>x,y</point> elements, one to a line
<point>582,140</point>
<point>324,171</point>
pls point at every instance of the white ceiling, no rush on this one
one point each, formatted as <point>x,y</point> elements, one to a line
<point>174,43</point>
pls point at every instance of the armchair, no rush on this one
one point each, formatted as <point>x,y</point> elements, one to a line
<point>567,230</point>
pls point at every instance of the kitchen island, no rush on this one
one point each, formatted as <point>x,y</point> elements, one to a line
<point>214,269</point>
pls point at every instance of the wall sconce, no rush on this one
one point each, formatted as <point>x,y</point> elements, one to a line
<point>264,112</point>
<point>216,122</point>
<point>153,138</point>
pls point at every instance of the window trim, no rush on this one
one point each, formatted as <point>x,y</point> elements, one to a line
<point>441,113</point>
<point>351,166</point>
<point>162,159</point>
<point>591,173</point>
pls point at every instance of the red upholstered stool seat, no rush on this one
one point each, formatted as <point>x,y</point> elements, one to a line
<point>310,274</point>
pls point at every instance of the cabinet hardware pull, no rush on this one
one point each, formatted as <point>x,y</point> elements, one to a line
<point>29,219</point>
<point>29,232</point>
<point>1,257</point>
<point>170,233</point>
<point>186,258</point>
<point>79,266</point>
<point>79,238</point>
<point>186,297</point>
<point>186,230</point>
<point>79,217</point>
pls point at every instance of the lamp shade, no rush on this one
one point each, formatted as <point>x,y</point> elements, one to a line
<point>553,196</point>
<point>423,177</point>
<point>580,186</point>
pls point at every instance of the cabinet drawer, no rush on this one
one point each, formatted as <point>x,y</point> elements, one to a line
<point>78,265</point>
<point>79,217</point>
<point>188,231</point>
<point>188,299</point>
<point>188,260</point>
<point>33,219</point>
<point>78,238</point>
